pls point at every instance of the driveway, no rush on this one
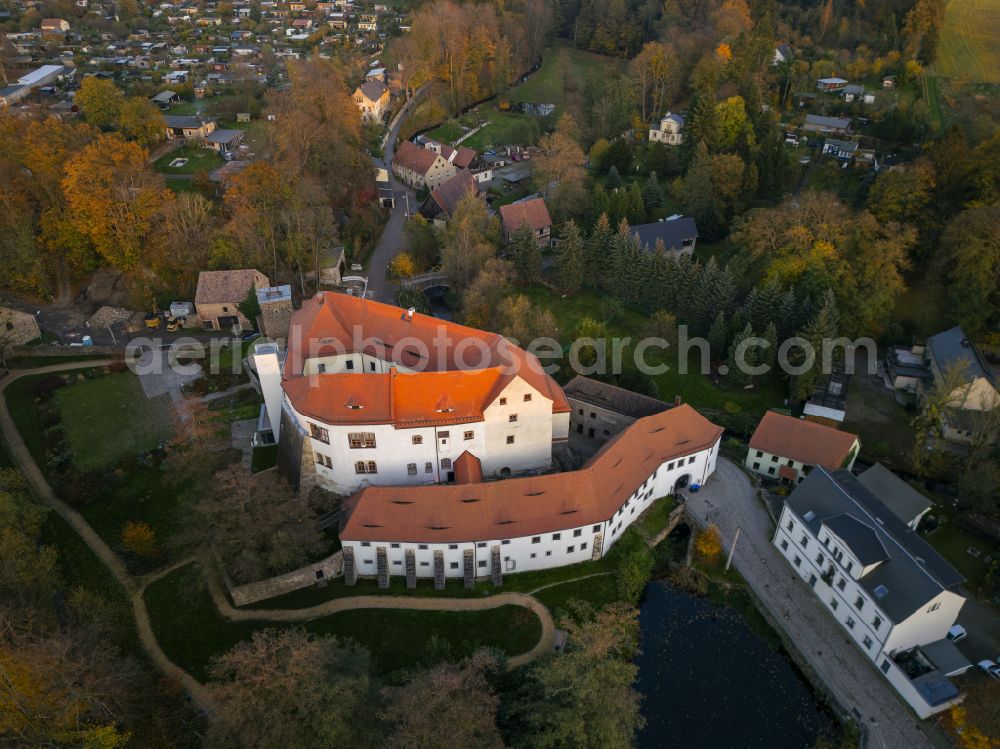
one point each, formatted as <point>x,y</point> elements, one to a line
<point>728,500</point>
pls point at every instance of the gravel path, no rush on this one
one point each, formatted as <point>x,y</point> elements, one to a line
<point>729,501</point>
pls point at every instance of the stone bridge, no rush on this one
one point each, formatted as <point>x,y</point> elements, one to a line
<point>425,281</point>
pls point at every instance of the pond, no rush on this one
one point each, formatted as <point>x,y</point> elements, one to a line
<point>710,681</point>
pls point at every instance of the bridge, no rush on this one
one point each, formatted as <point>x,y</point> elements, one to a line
<point>425,281</point>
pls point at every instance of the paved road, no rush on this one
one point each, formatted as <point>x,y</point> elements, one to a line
<point>729,501</point>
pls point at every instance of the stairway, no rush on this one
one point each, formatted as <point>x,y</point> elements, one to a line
<point>411,569</point>
<point>350,571</point>
<point>496,573</point>
<point>383,568</point>
<point>469,569</point>
<point>438,570</point>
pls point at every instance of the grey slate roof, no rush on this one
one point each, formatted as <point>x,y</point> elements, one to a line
<point>905,501</point>
<point>613,398</point>
<point>946,657</point>
<point>186,121</point>
<point>913,574</point>
<point>954,347</point>
<point>861,538</point>
<point>671,232</point>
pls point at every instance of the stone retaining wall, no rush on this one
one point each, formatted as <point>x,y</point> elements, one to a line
<point>48,350</point>
<point>243,595</point>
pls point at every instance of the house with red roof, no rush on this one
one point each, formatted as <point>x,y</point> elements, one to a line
<point>532,213</point>
<point>438,206</point>
<point>421,167</point>
<point>368,394</point>
<point>785,448</point>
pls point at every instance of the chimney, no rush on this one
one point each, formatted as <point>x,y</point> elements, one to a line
<point>409,314</point>
<point>677,400</point>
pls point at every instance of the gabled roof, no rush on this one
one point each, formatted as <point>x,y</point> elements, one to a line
<point>411,156</point>
<point>453,189</point>
<point>531,212</point>
<point>184,121</point>
<point>861,539</point>
<point>834,123</point>
<point>225,286</point>
<point>531,505</point>
<point>953,347</point>
<point>805,441</point>
<point>613,398</point>
<point>905,502</point>
<point>673,233</point>
<point>913,572</point>
<point>373,89</point>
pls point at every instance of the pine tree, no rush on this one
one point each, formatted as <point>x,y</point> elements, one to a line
<point>724,289</point>
<point>787,317</point>
<point>635,210</point>
<point>614,180</point>
<point>822,327</point>
<point>601,203</point>
<point>718,336</point>
<point>688,273</point>
<point>700,125</point>
<point>652,196</point>
<point>621,270</point>
<point>570,261</point>
<point>598,250</point>
<point>702,305</point>
<point>526,255</point>
<point>736,374</point>
<point>769,355</point>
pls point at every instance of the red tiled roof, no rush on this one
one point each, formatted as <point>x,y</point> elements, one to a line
<point>805,441</point>
<point>464,158</point>
<point>530,212</point>
<point>465,369</point>
<point>526,506</point>
<point>411,156</point>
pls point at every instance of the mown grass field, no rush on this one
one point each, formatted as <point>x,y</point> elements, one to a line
<point>548,84</point>
<point>970,41</point>
<point>110,417</point>
<point>198,159</point>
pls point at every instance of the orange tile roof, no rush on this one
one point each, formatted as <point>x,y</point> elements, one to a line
<point>448,513</point>
<point>460,370</point>
<point>411,156</point>
<point>530,212</point>
<point>804,441</point>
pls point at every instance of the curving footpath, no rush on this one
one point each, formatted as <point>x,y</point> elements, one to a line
<point>136,587</point>
<point>543,646</point>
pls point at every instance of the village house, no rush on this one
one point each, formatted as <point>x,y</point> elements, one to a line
<point>891,592</point>
<point>165,98</point>
<point>786,449</point>
<point>219,294</point>
<point>351,409</point>
<point>840,149</point>
<point>906,503</point>
<point>54,26</point>
<point>978,392</point>
<point>831,84</point>
<point>188,127</point>
<point>668,131</point>
<point>420,167</point>
<point>438,206</point>
<point>782,54</point>
<point>601,410</point>
<point>676,235</point>
<point>224,141</point>
<point>826,125</point>
<point>473,529</point>
<point>532,213</point>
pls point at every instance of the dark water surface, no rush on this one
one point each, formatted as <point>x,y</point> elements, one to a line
<point>709,681</point>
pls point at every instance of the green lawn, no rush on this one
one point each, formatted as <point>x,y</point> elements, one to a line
<point>24,411</point>
<point>504,128</point>
<point>109,417</point>
<point>180,184</point>
<point>191,631</point>
<point>954,542</point>
<point>199,159</point>
<point>546,86</point>
<point>970,41</point>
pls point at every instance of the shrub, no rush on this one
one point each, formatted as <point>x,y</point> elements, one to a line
<point>708,544</point>
<point>44,387</point>
<point>633,574</point>
<point>139,539</point>
<point>117,367</point>
<point>402,266</point>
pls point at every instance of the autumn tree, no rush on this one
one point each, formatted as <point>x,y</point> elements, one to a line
<point>456,695</point>
<point>139,538</point>
<point>256,202</point>
<point>713,189</point>
<point>708,543</point>
<point>654,74</point>
<point>522,322</point>
<point>291,689</point>
<point>114,200</point>
<point>100,101</point>
<point>422,241</point>
<point>255,525</point>
<point>480,299</point>
<point>583,697</point>
<point>469,241</point>
<point>970,248</point>
<point>559,171</point>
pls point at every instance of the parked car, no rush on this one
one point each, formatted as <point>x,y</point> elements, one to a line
<point>957,633</point>
<point>990,668</point>
<point>252,335</point>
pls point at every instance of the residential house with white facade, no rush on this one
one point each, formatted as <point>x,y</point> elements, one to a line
<point>979,391</point>
<point>476,529</point>
<point>372,99</point>
<point>889,590</point>
<point>787,449</point>
<point>419,167</point>
<point>668,131</point>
